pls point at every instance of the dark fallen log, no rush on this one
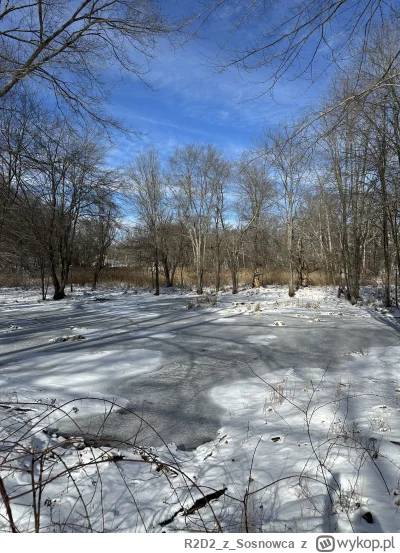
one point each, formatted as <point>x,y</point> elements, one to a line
<point>198,504</point>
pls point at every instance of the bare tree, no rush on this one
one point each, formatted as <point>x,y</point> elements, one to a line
<point>17,125</point>
<point>348,149</point>
<point>103,226</point>
<point>251,193</point>
<point>301,41</point>
<point>255,194</point>
<point>197,175</point>
<point>58,188</point>
<point>319,228</point>
<point>381,112</point>
<point>173,248</point>
<point>65,45</point>
<point>288,155</point>
<point>149,196</point>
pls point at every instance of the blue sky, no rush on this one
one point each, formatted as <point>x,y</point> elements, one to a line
<point>188,102</point>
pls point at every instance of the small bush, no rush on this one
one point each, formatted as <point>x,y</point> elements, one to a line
<point>208,300</point>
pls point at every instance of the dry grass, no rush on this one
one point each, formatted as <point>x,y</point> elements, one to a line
<point>17,280</point>
<point>134,276</point>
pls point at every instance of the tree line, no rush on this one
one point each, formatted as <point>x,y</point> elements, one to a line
<point>315,194</point>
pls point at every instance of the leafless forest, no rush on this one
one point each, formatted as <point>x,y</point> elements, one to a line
<point>121,411</point>
<point>312,200</point>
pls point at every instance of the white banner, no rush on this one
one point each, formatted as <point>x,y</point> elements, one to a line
<point>179,543</point>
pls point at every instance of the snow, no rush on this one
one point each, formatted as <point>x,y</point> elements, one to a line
<point>265,339</point>
<point>302,449</point>
<point>84,378</point>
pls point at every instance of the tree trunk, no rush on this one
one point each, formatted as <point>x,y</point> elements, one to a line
<point>43,285</point>
<point>59,288</point>
<point>386,256</point>
<point>59,291</point>
<point>385,226</point>
<point>96,276</point>
<point>255,283</point>
<point>301,266</point>
<point>235,279</point>
<point>341,283</point>
<point>218,277</point>
<point>291,280</point>
<point>172,276</point>
<point>157,271</point>
<point>218,262</point>
<point>199,271</point>
<point>199,282</point>
<point>290,256</point>
<point>167,273</point>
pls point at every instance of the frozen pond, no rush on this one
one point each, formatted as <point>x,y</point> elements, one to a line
<point>160,361</point>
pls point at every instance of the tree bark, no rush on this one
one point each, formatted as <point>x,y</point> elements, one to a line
<point>290,256</point>
<point>157,273</point>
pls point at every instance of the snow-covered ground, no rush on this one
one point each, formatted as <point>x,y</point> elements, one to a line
<point>305,447</point>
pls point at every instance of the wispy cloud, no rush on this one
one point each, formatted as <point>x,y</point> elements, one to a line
<point>191,102</point>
